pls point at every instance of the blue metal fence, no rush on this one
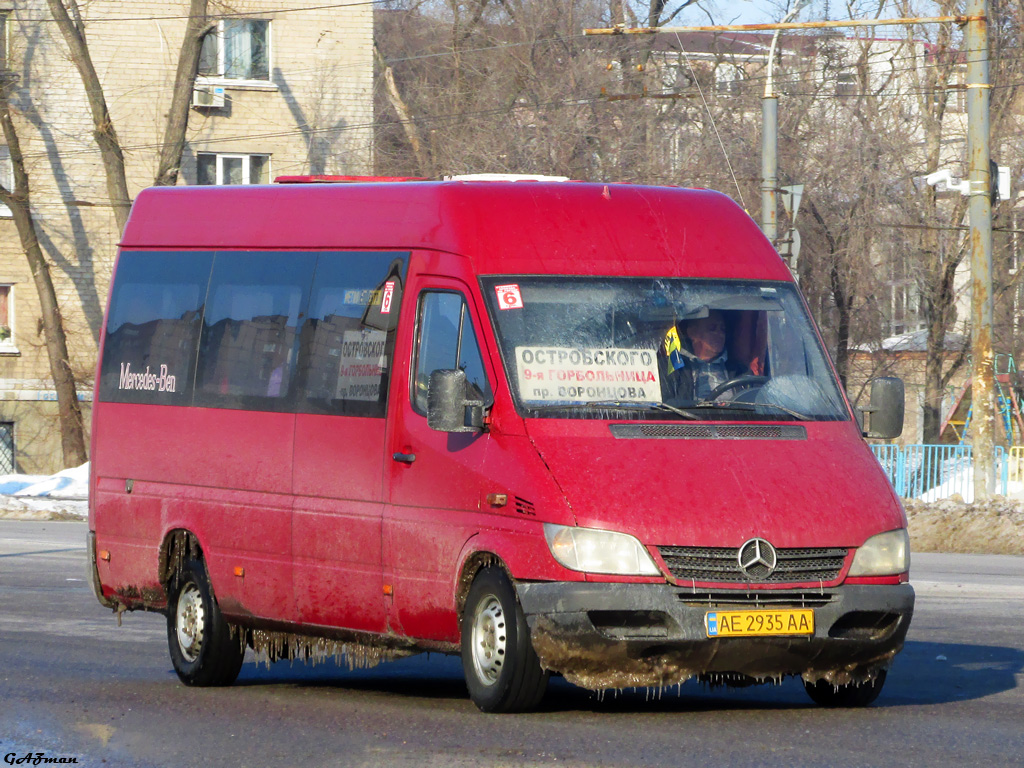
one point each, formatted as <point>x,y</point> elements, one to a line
<point>932,472</point>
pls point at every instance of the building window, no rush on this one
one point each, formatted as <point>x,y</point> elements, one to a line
<point>238,49</point>
<point>6,315</point>
<point>214,168</point>
<point>959,100</point>
<point>903,308</point>
<point>3,39</point>
<point>846,84</point>
<point>6,447</point>
<point>6,177</point>
<point>727,79</point>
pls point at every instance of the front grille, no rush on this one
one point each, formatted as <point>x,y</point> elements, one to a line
<point>525,507</point>
<point>767,599</point>
<point>721,564</point>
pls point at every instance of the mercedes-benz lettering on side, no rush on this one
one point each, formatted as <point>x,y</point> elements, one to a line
<point>568,428</point>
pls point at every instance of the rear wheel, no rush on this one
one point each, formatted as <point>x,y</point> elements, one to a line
<point>849,695</point>
<point>502,671</point>
<point>203,651</point>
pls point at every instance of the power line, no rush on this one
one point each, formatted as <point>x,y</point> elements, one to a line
<point>432,119</point>
<point>551,104</point>
<point>926,60</point>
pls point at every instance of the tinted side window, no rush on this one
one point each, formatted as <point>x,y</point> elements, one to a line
<point>250,334</point>
<point>348,338</point>
<point>445,341</point>
<point>153,326</point>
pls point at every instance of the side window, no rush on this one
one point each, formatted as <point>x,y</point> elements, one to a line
<point>153,327</point>
<point>250,335</point>
<point>445,340</point>
<point>348,338</point>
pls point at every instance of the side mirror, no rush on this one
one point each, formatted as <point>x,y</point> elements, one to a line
<point>448,407</point>
<point>886,410</point>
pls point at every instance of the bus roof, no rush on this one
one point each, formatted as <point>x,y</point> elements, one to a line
<point>503,227</point>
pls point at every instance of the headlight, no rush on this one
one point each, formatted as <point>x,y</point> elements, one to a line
<point>886,554</point>
<point>594,551</point>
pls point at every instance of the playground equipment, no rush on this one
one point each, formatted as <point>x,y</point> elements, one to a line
<point>1009,390</point>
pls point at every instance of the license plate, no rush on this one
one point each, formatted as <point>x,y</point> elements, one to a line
<point>759,623</point>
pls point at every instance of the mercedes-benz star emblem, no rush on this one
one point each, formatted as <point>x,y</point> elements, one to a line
<point>757,559</point>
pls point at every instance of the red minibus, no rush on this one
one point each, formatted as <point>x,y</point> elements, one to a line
<point>556,427</point>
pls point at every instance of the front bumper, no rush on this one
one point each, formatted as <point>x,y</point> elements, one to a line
<point>600,635</point>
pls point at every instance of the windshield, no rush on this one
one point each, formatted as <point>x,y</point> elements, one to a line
<point>582,347</point>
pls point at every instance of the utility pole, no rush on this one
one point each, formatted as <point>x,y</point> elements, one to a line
<point>769,161</point>
<point>980,209</point>
<point>770,139</point>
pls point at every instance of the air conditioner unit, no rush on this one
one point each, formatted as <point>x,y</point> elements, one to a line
<point>208,97</point>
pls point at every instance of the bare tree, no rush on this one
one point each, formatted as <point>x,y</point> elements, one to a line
<point>412,133</point>
<point>18,201</point>
<point>196,28</point>
<point>941,250</point>
<point>73,30</point>
<point>839,138</point>
<point>68,18</point>
<point>514,87</point>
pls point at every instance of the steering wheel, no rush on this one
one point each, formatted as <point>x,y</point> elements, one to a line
<point>747,380</point>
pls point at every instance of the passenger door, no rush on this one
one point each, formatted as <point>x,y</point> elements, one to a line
<point>345,365</point>
<point>436,478</point>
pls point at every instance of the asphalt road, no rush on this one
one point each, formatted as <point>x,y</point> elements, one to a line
<point>74,685</point>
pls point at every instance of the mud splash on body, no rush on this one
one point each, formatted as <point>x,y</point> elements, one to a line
<point>276,646</point>
<point>610,665</point>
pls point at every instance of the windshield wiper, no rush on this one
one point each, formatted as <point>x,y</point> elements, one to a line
<point>749,407</point>
<point>606,404</point>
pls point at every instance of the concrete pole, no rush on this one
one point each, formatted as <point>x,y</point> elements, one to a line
<point>983,415</point>
<point>769,165</point>
<point>770,138</point>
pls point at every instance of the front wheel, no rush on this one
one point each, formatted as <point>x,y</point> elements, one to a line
<point>502,671</point>
<point>203,651</point>
<point>849,695</point>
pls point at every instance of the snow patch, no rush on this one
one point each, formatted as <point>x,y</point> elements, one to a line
<point>61,496</point>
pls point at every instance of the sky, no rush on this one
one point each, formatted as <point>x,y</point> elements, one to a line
<point>765,11</point>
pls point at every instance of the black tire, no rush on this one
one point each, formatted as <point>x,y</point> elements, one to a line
<point>203,651</point>
<point>849,695</point>
<point>502,671</point>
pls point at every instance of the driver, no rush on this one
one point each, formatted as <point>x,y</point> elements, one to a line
<point>697,361</point>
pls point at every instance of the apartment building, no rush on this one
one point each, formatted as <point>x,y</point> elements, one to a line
<point>284,89</point>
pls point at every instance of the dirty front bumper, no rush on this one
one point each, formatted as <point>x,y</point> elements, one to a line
<point>624,635</point>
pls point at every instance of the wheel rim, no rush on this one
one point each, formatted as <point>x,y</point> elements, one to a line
<point>190,621</point>
<point>489,640</point>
